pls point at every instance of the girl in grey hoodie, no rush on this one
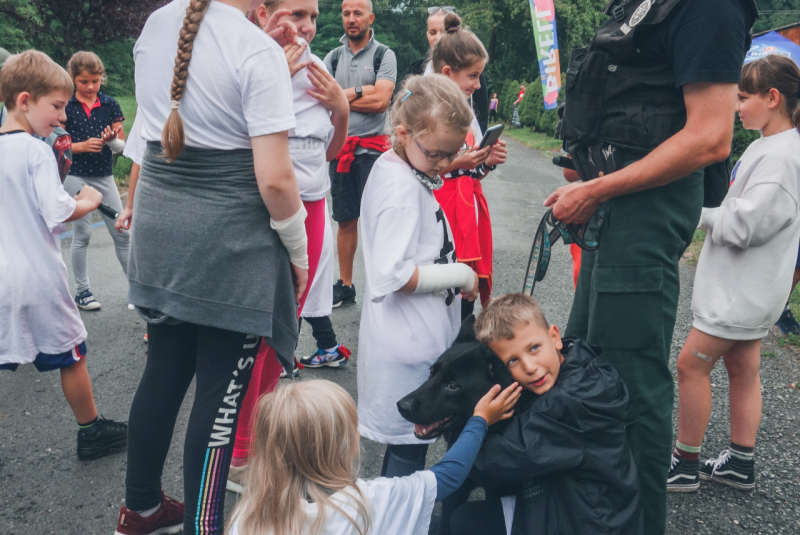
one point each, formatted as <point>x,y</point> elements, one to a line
<point>743,278</point>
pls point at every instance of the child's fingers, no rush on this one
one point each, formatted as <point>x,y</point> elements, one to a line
<point>507,415</point>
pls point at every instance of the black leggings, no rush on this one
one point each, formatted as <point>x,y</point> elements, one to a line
<point>467,308</point>
<point>479,518</point>
<point>323,332</point>
<point>222,361</point>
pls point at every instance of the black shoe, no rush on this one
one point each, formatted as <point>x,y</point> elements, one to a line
<point>343,295</point>
<point>787,323</point>
<point>683,475</point>
<point>294,375</point>
<point>103,438</point>
<point>730,470</point>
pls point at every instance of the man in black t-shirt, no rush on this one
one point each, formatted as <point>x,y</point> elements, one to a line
<point>643,159</point>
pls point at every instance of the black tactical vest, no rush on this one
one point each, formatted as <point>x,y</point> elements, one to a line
<point>618,94</point>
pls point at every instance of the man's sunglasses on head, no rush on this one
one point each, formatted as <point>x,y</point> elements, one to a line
<point>446,9</point>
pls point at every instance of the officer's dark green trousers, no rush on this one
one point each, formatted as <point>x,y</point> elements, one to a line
<point>626,302</point>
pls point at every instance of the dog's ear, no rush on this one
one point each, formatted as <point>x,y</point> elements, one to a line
<point>467,331</point>
<point>498,372</point>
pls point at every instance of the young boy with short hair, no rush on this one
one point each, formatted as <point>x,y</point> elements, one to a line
<point>566,454</point>
<point>39,322</point>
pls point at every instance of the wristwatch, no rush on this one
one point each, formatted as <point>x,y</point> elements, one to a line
<point>359,92</point>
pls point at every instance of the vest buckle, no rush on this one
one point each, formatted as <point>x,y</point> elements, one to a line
<point>618,13</point>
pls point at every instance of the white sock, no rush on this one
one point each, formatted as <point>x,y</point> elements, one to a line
<point>149,512</point>
<point>331,350</point>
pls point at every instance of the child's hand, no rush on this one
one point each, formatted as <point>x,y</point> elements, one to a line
<point>471,295</point>
<point>498,154</point>
<point>495,406</point>
<point>124,219</point>
<point>293,54</point>
<point>93,144</point>
<point>283,31</point>
<point>328,92</point>
<point>300,280</point>
<point>88,193</point>
<point>109,134</point>
<point>471,159</point>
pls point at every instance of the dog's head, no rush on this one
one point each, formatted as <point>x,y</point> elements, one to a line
<point>459,379</point>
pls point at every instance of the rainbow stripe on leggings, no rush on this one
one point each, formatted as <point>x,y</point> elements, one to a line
<point>212,489</point>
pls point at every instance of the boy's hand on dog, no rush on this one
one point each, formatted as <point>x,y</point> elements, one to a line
<point>496,405</point>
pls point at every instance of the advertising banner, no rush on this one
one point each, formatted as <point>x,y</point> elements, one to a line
<point>543,15</point>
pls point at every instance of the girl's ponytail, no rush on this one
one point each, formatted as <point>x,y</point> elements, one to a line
<point>458,48</point>
<point>172,138</point>
<point>777,72</point>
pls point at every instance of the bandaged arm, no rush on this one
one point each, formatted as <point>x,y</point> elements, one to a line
<point>292,232</point>
<point>437,277</point>
<point>116,145</point>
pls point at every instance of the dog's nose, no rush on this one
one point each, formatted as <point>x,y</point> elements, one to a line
<point>405,406</point>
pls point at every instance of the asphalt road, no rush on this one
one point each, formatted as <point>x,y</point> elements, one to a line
<point>45,489</point>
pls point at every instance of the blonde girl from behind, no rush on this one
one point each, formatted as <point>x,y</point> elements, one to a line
<point>304,463</point>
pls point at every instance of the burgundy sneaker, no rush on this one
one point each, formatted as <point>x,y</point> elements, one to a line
<point>168,519</point>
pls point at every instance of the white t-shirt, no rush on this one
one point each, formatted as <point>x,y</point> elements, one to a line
<point>37,313</point>
<point>313,124</point>
<point>401,334</point>
<point>397,506</point>
<point>135,143</point>
<point>238,85</point>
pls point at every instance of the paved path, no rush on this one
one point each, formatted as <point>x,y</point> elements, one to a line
<point>45,489</point>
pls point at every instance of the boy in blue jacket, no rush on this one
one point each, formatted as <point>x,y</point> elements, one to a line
<point>567,454</point>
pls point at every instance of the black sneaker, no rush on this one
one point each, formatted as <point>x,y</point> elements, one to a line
<point>787,323</point>
<point>103,438</point>
<point>294,375</point>
<point>683,475</point>
<point>86,301</point>
<point>322,358</point>
<point>730,470</point>
<point>343,295</point>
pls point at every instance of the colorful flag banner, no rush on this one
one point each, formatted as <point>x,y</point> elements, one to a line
<point>543,14</point>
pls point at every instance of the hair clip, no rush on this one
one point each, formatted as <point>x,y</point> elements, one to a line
<point>406,95</point>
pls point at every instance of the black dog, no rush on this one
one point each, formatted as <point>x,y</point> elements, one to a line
<point>446,401</point>
<point>459,379</point>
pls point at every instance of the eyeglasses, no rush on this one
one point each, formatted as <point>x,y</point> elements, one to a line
<point>434,157</point>
<point>446,9</point>
<point>586,236</point>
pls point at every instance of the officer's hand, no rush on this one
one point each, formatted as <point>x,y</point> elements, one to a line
<point>573,203</point>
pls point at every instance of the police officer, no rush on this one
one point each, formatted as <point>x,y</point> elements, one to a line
<point>648,104</point>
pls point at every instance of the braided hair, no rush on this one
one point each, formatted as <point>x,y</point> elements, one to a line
<point>172,138</point>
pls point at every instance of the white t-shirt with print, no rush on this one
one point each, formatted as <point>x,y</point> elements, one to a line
<point>397,506</point>
<point>37,313</point>
<point>238,86</point>
<point>313,121</point>
<point>401,334</point>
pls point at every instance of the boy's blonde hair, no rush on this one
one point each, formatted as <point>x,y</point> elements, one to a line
<point>424,102</point>
<point>504,315</point>
<point>84,61</point>
<point>31,72</point>
<point>305,447</point>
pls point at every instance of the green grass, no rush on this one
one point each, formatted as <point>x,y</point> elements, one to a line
<point>533,140</point>
<point>122,165</point>
<point>693,253</point>
<point>769,354</point>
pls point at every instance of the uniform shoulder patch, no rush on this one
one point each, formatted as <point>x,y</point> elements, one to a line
<point>640,13</point>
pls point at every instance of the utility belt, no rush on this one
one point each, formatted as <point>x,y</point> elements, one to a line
<point>596,160</point>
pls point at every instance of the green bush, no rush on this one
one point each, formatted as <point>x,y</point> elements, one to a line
<point>508,99</point>
<point>529,107</point>
<point>546,122</point>
<point>501,99</point>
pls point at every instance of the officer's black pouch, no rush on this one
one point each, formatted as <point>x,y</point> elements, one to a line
<point>585,90</point>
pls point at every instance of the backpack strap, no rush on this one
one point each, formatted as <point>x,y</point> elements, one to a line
<point>380,50</point>
<point>335,55</point>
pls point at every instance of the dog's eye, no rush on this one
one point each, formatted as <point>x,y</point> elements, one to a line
<point>451,387</point>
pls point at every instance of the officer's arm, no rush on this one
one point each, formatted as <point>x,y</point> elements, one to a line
<point>705,139</point>
<point>374,99</point>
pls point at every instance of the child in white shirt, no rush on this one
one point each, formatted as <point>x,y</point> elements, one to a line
<point>39,322</point>
<point>412,307</point>
<point>743,278</point>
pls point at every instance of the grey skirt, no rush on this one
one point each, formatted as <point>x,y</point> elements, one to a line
<point>202,250</point>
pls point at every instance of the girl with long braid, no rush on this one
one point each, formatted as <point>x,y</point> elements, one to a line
<point>219,255</point>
